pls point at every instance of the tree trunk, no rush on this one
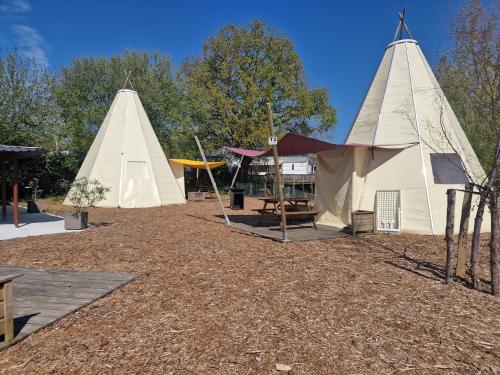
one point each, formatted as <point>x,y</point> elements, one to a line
<point>463,232</point>
<point>495,243</point>
<point>450,223</point>
<point>484,191</point>
<point>476,237</point>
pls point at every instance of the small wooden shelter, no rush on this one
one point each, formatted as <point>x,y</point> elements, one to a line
<point>13,154</point>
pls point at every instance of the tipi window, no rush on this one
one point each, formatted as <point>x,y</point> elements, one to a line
<point>447,169</point>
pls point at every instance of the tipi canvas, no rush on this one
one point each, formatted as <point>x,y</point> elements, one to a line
<point>424,153</point>
<point>126,156</point>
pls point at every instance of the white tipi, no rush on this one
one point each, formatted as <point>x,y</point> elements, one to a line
<point>424,153</point>
<point>127,157</point>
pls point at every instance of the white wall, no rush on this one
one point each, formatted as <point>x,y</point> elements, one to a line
<point>295,168</point>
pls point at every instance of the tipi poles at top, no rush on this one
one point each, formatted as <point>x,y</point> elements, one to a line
<point>212,179</point>
<point>127,80</point>
<point>398,35</point>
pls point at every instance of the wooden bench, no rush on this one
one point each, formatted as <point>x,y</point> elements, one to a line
<point>6,315</point>
<point>271,211</point>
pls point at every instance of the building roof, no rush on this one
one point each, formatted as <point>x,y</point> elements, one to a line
<point>269,160</point>
<point>19,151</point>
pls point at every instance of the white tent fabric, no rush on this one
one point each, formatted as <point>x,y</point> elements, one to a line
<point>127,157</point>
<point>404,105</point>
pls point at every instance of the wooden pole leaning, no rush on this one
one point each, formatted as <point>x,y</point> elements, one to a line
<point>237,170</point>
<point>212,179</point>
<point>277,173</point>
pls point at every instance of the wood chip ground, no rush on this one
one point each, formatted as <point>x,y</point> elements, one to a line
<point>212,300</point>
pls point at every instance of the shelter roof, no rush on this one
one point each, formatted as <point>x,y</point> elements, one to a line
<point>18,152</point>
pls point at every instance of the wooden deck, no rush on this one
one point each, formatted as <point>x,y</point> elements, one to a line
<point>297,229</point>
<point>43,296</point>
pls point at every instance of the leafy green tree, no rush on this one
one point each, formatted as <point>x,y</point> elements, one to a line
<point>88,86</point>
<point>28,113</point>
<point>471,79</point>
<point>238,71</point>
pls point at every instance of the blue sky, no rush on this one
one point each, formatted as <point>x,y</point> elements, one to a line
<point>340,42</point>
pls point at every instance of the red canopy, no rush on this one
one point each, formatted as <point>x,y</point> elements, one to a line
<point>295,144</point>
<point>246,152</point>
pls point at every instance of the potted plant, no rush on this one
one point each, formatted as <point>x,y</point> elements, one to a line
<point>34,206</point>
<point>83,195</point>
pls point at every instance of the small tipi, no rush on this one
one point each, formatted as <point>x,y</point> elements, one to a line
<point>423,150</point>
<point>126,156</point>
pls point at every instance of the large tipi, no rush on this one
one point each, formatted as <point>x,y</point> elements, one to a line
<point>126,156</point>
<point>423,152</point>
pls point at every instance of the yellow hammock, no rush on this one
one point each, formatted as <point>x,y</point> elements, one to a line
<point>198,164</point>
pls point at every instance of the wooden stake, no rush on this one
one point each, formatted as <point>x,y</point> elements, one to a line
<point>212,179</point>
<point>277,173</point>
<point>7,312</point>
<point>450,223</point>
<point>463,232</point>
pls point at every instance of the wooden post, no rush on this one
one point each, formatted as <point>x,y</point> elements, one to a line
<point>237,170</point>
<point>494,243</point>
<point>3,181</point>
<point>212,179</point>
<point>277,173</point>
<point>7,311</point>
<point>463,232</point>
<point>450,223</point>
<point>15,192</point>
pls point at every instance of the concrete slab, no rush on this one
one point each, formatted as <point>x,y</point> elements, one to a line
<point>30,224</point>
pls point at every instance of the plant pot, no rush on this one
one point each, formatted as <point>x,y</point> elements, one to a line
<point>34,207</point>
<point>76,221</point>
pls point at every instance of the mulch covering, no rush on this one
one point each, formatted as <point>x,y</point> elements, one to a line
<point>212,300</point>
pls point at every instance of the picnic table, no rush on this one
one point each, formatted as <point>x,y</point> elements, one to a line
<point>292,209</point>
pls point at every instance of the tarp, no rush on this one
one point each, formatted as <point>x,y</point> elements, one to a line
<point>296,144</point>
<point>198,164</point>
<point>246,152</point>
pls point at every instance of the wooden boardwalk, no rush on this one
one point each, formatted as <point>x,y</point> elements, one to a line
<point>298,230</point>
<point>43,296</point>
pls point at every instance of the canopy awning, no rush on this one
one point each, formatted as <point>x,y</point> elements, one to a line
<point>198,164</point>
<point>246,152</point>
<point>296,144</point>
